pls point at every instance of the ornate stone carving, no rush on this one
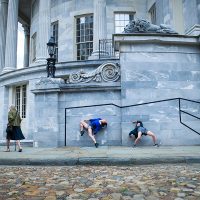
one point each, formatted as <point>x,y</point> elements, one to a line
<point>108,72</point>
<point>143,26</point>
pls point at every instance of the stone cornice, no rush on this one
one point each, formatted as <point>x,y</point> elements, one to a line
<point>144,38</point>
<point>39,70</point>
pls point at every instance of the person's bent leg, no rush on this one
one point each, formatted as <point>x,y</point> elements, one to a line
<point>83,124</point>
<point>19,145</point>
<point>8,145</point>
<point>138,138</point>
<point>149,133</point>
<point>91,135</point>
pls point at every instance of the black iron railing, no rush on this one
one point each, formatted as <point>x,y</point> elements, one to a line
<point>187,113</point>
<point>106,49</point>
<point>140,104</point>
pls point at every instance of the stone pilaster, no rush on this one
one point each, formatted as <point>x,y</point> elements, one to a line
<point>198,11</point>
<point>3,18</point>
<point>99,26</point>
<point>47,125</point>
<point>11,36</point>
<point>26,44</point>
<point>43,31</point>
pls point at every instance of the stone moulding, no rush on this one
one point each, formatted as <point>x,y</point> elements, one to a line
<point>48,83</point>
<point>107,72</point>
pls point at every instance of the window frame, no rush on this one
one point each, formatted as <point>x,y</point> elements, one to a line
<point>122,22</point>
<point>20,99</point>
<point>55,34</point>
<point>84,42</point>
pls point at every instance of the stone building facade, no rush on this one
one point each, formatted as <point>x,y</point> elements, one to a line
<point>143,67</point>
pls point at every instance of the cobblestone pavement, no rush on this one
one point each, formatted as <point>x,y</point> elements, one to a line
<point>149,182</point>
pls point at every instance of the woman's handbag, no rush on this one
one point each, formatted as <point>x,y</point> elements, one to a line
<point>9,128</point>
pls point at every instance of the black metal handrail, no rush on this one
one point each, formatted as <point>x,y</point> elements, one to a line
<point>140,104</point>
<point>187,113</point>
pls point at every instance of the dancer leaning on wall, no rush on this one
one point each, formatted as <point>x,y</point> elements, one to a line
<point>139,131</point>
<point>92,126</point>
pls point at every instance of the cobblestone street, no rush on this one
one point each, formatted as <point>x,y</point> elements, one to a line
<point>101,182</point>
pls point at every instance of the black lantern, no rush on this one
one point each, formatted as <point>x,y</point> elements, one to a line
<point>51,46</point>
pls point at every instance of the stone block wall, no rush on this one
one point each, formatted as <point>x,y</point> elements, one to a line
<point>156,68</point>
<point>97,96</point>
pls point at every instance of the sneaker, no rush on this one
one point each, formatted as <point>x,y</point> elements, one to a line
<point>82,132</point>
<point>96,145</point>
<point>134,146</point>
<point>156,145</point>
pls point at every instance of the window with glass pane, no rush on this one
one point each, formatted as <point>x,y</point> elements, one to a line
<point>21,99</point>
<point>121,20</point>
<point>152,13</point>
<point>54,30</point>
<point>23,114</point>
<point>84,36</point>
<point>17,98</point>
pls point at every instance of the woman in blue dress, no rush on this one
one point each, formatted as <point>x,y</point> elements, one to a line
<point>92,126</point>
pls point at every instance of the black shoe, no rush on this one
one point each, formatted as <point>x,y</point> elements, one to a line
<point>82,132</point>
<point>96,145</point>
<point>134,146</point>
<point>156,145</point>
<point>20,150</point>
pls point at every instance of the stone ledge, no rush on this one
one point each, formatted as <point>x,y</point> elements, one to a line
<point>154,38</point>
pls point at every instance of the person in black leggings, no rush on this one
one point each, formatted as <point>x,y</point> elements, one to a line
<point>139,131</point>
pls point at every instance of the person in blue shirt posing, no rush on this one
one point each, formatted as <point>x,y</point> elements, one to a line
<point>92,126</point>
<point>139,131</point>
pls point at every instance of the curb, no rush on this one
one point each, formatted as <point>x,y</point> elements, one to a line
<point>105,161</point>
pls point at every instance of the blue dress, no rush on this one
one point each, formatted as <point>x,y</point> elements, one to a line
<point>95,125</point>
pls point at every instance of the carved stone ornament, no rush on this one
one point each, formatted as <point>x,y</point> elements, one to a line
<point>143,26</point>
<point>107,72</point>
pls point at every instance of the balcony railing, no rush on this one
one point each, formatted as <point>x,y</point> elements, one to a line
<point>106,49</point>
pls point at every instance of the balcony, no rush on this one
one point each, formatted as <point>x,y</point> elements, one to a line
<point>106,50</point>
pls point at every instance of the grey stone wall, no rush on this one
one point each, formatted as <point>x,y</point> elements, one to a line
<point>156,68</point>
<point>46,118</point>
<point>3,110</point>
<point>52,96</point>
<point>109,136</point>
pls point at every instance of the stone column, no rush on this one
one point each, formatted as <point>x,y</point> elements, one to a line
<point>26,44</point>
<point>11,36</point>
<point>99,26</point>
<point>3,19</point>
<point>43,31</point>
